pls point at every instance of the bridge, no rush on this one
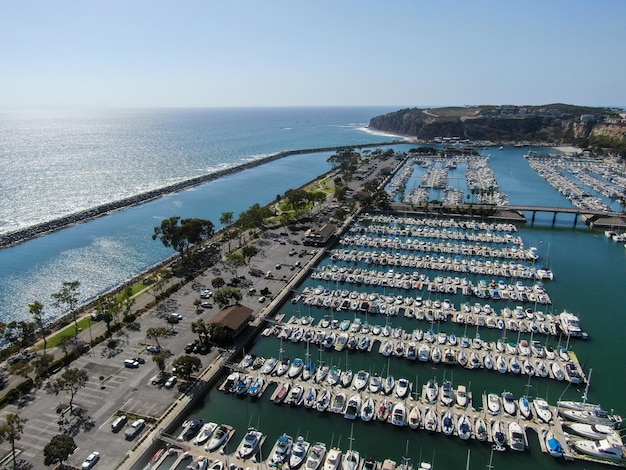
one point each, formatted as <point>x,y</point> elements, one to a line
<point>515,213</point>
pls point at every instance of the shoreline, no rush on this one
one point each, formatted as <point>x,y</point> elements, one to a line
<point>18,236</point>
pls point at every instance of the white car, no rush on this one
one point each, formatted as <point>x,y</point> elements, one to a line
<point>134,429</point>
<point>261,299</point>
<point>171,382</point>
<point>91,460</point>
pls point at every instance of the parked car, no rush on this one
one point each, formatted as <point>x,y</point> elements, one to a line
<point>158,379</point>
<point>169,383</point>
<point>134,429</point>
<point>153,349</point>
<point>139,359</point>
<point>262,299</point>
<point>206,305</point>
<point>189,348</point>
<point>131,363</point>
<point>91,460</point>
<point>118,423</point>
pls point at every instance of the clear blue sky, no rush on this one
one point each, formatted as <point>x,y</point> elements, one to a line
<point>153,53</point>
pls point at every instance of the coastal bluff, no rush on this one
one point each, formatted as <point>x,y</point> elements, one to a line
<point>28,233</point>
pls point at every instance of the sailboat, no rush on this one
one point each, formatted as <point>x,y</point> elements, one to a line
<point>351,459</point>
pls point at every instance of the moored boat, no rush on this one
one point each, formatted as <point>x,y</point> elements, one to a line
<point>611,448</point>
<point>316,457</point>
<point>517,437</point>
<point>298,453</point>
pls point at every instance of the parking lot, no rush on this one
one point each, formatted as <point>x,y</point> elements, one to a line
<point>120,377</point>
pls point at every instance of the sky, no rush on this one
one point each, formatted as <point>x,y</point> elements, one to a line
<point>201,53</point>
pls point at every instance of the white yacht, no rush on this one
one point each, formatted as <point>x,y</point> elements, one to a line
<point>333,459</point>
<point>542,410</point>
<point>298,453</point>
<point>517,437</point>
<point>353,409</point>
<point>316,457</point>
<point>350,460</point>
<point>281,450</point>
<point>398,414</point>
<point>611,448</point>
<point>590,431</point>
<point>250,444</point>
<point>205,433</point>
<point>220,437</point>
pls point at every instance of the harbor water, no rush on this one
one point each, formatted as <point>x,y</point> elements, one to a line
<point>588,267</point>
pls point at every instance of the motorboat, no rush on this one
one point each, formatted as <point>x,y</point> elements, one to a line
<point>269,365</point>
<point>389,464</point>
<point>282,367</point>
<point>350,460</point>
<point>493,404</point>
<point>192,429</point>
<point>205,433</point>
<point>345,379</point>
<point>553,446</point>
<point>217,464</point>
<point>383,411</point>
<point>557,372</point>
<point>431,390</point>
<point>370,463</point>
<point>320,374</point>
<point>256,387</point>
<point>368,409</point>
<point>498,435</point>
<point>542,410</point>
<point>308,371</point>
<point>316,457</point>
<point>414,417</point>
<point>323,401</point>
<point>481,429</point>
<point>611,448</point>
<point>310,397</point>
<point>298,453</point>
<point>436,355</point>
<point>333,377</point>
<point>423,353</point>
<point>464,427</point>
<point>339,403</point>
<point>360,380</point>
<point>295,395</point>
<point>295,368</point>
<point>353,409</point>
<point>447,423</point>
<point>447,394</point>
<point>333,459</point>
<point>524,408</point>
<point>403,388</point>
<point>509,404</point>
<point>220,437</point>
<point>594,432</point>
<point>375,384</point>
<point>462,398</point>
<point>591,417</point>
<point>230,384</point>
<point>281,450</point>
<point>517,437</point>
<point>430,420</point>
<point>501,365</point>
<point>250,444</point>
<point>241,388</point>
<point>281,392</point>
<point>398,414</point>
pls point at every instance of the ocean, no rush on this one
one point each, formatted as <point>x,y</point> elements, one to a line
<point>58,163</point>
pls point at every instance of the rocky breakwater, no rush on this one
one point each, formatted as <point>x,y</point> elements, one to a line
<point>28,233</point>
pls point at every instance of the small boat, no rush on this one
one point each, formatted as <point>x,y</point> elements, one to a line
<point>383,411</point>
<point>310,397</point>
<point>308,371</point>
<point>595,432</point>
<point>375,384</point>
<point>431,391</point>
<point>462,398</point>
<point>298,453</point>
<point>360,381</point>
<point>333,459</point>
<point>611,448</point>
<point>436,355</point>
<point>398,414</point>
<point>295,395</point>
<point>591,417</point>
<point>192,429</point>
<point>249,445</point>
<point>320,374</point>
<point>323,401</point>
<point>368,409</point>
<point>498,435</point>
<point>509,404</point>
<point>350,460</point>
<point>524,408</point>
<point>389,464</point>
<point>447,423</point>
<point>493,404</point>
<point>280,393</point>
<point>430,420</point>
<point>295,368</point>
<point>403,388</point>
<point>205,433</point>
<point>338,403</point>
<point>389,384</point>
<point>345,379</point>
<point>220,437</point>
<point>353,409</point>
<point>316,456</point>
<point>447,394</point>
<point>542,410</point>
<point>517,437</point>
<point>256,387</point>
<point>282,368</point>
<point>577,405</point>
<point>414,417</point>
<point>268,366</point>
<point>554,447</point>
<point>280,452</point>
<point>481,429</point>
<point>464,427</point>
<point>557,372</point>
<point>333,377</point>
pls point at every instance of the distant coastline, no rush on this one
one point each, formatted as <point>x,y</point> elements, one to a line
<point>28,233</point>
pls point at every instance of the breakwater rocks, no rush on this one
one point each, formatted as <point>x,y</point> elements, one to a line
<point>34,231</point>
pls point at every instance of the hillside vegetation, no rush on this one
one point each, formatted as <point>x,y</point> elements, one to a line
<point>599,129</point>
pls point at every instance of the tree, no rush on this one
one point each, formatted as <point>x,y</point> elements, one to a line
<point>127,301</point>
<point>11,431</point>
<point>158,287</point>
<point>249,251</point>
<point>254,217</point>
<point>186,366</point>
<point>108,309</point>
<point>157,332</point>
<point>218,282</point>
<point>36,311</point>
<point>235,260</point>
<point>68,297</point>
<point>297,198</point>
<point>224,296</point>
<point>181,234</point>
<point>226,218</point>
<point>71,381</point>
<point>218,333</point>
<point>200,328</point>
<point>159,360</point>
<point>58,449</point>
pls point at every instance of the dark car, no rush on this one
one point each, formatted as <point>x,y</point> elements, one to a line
<point>189,348</point>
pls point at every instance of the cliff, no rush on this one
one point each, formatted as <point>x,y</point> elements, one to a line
<point>554,123</point>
